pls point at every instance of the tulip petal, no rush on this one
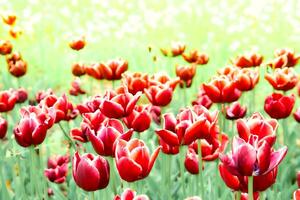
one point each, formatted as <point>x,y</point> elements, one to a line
<point>168,137</point>
<point>128,169</point>
<point>276,157</point>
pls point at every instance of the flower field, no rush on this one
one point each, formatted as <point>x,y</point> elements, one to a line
<point>149,100</point>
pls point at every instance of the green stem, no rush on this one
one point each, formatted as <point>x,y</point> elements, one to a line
<point>200,176</point>
<point>185,96</point>
<point>92,194</point>
<point>238,195</point>
<point>67,136</point>
<point>112,175</point>
<point>181,154</point>
<point>169,160</point>
<point>32,171</point>
<point>113,84</point>
<point>250,187</point>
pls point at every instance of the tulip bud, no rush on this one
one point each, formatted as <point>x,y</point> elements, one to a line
<point>5,47</point>
<point>78,69</point>
<point>8,100</point>
<point>78,43</point>
<point>279,106</point>
<point>16,65</point>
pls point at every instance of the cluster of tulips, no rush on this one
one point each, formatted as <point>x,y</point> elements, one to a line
<point>123,129</point>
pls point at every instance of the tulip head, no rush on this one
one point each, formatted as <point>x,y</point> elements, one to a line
<point>3,127</point>
<point>279,106</point>
<point>235,111</point>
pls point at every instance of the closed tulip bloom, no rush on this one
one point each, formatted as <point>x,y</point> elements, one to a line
<point>119,104</point>
<point>134,155</point>
<point>135,82</point>
<point>222,90</point>
<point>139,120</point>
<point>90,106</point>
<point>296,195</point>
<point>191,161</point>
<point>248,60</point>
<point>76,88</point>
<point>264,129</point>
<point>196,57</point>
<point>5,47</point>
<point>77,43</point>
<point>16,65</point>
<point>9,18</point>
<point>130,194</point>
<point>90,172</point>
<point>297,115</point>
<point>57,169</point>
<point>235,111</point>
<point>78,69</point>
<point>22,95</point>
<point>113,69</point>
<point>283,79</point>
<point>159,95</point>
<point>292,58</point>
<point>279,106</point>
<point>252,158</point>
<point>186,74</point>
<point>177,48</point>
<point>8,100</point>
<point>202,99</point>
<point>246,79</point>
<point>33,126</point>
<point>104,139</point>
<point>94,71</point>
<point>3,127</point>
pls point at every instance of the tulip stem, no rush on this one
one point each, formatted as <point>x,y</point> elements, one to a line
<point>181,154</point>
<point>67,136</point>
<point>238,195</point>
<point>112,176</point>
<point>32,171</point>
<point>92,195</point>
<point>250,187</point>
<point>200,182</point>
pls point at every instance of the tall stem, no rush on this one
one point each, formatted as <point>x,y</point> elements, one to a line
<point>238,195</point>
<point>32,171</point>
<point>67,136</point>
<point>112,175</point>
<point>250,187</point>
<point>181,154</point>
<point>200,182</point>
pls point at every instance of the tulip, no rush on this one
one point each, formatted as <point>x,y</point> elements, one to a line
<point>159,95</point>
<point>298,179</point>
<point>196,57</point>
<point>222,90</point>
<point>291,58</point>
<point>246,79</point>
<point>90,172</point>
<point>248,60</point>
<point>94,71</point>
<point>163,79</point>
<point>33,126</point>
<point>57,169</point>
<point>134,155</point>
<point>264,129</point>
<point>177,48</point>
<point>283,79</point>
<point>244,196</point>
<point>90,106</point>
<point>135,82</point>
<point>3,127</point>
<point>252,158</point>
<point>16,65</point>
<point>229,71</point>
<point>167,148</point>
<point>113,69</point>
<point>278,62</point>
<point>9,18</point>
<point>78,69</point>
<point>43,94</point>
<point>130,194</point>
<point>5,47</point>
<point>15,32</point>
<point>296,195</point>
<point>186,74</point>
<point>104,139</point>
<point>78,43</point>
<point>119,104</point>
<point>8,100</point>
<point>202,99</point>
<point>297,115</point>
<point>139,120</point>
<point>155,112</point>
<point>21,95</point>
<point>76,89</point>
<point>279,106</point>
<point>235,111</point>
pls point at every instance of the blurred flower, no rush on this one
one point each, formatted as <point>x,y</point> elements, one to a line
<point>50,192</point>
<point>139,120</point>
<point>202,99</point>
<point>78,69</point>
<point>90,172</point>
<point>283,79</point>
<point>235,111</point>
<point>134,155</point>
<point>5,47</point>
<point>77,43</point>
<point>130,194</point>
<point>246,78</point>
<point>57,169</point>
<point>104,139</point>
<point>186,74</point>
<point>177,48</point>
<point>21,94</point>
<point>8,100</point>
<point>16,65</point>
<point>113,69</point>
<point>75,87</point>
<point>278,62</point>
<point>222,90</point>
<point>135,82</point>
<point>159,95</point>
<point>90,105</point>
<point>163,79</point>
<point>9,18</point>
<point>279,106</point>
<point>248,60</point>
<point>94,71</point>
<point>42,94</point>
<point>3,127</point>
<point>297,116</point>
<point>119,104</point>
<point>196,57</point>
<point>15,32</point>
<point>296,195</point>
<point>291,57</point>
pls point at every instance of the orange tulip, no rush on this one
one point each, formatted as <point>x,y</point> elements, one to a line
<point>283,79</point>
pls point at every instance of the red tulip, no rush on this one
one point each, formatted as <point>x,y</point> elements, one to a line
<point>90,172</point>
<point>167,148</point>
<point>235,111</point>
<point>90,106</point>
<point>222,90</point>
<point>15,32</point>
<point>186,74</point>
<point>94,71</point>
<point>130,194</point>
<point>283,79</point>
<point>113,69</point>
<point>139,120</point>
<point>5,47</point>
<point>135,82</point>
<point>104,139</point>
<point>196,57</point>
<point>298,179</point>
<point>278,62</point>
<point>159,95</point>
<point>77,43</point>
<point>16,65</point>
<point>78,69</point>
<point>76,87</point>
<point>33,126</point>
<point>279,106</point>
<point>8,100</point>
<point>297,115</point>
<point>3,127</point>
<point>246,79</point>
<point>257,125</point>
<point>155,112</point>
<point>248,60</point>
<point>228,71</point>
<point>134,155</point>
<point>119,104</point>
<point>252,158</point>
<point>43,94</point>
<point>163,79</point>
<point>177,48</point>
<point>296,195</point>
<point>9,18</point>
<point>202,99</point>
<point>57,169</point>
<point>21,94</point>
<point>291,57</point>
